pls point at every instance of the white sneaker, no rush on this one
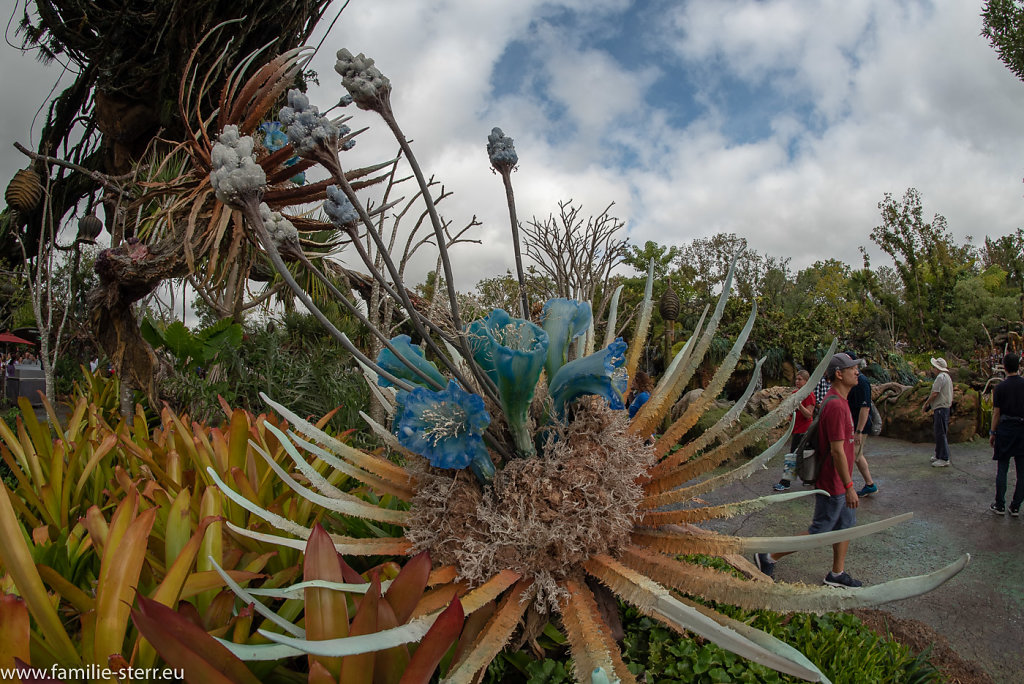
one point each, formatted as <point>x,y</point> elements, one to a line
<point>939,463</point>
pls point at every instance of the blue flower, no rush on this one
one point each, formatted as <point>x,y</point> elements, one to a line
<point>300,177</point>
<point>444,427</point>
<point>410,352</point>
<point>273,137</point>
<point>512,352</point>
<point>564,320</point>
<point>600,373</point>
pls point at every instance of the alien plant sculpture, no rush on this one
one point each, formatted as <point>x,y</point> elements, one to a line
<point>524,479</point>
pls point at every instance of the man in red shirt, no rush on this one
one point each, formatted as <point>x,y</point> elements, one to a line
<point>836,510</point>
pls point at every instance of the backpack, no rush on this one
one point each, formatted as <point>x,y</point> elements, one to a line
<point>808,457</point>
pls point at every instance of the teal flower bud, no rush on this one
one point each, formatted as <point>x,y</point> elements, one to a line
<point>273,137</point>
<point>387,360</point>
<point>512,353</point>
<point>564,320</point>
<point>600,374</point>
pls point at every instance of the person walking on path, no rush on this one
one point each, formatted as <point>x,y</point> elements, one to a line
<point>940,400</point>
<point>802,420</point>
<point>860,408</point>
<point>1007,435</point>
<point>837,509</point>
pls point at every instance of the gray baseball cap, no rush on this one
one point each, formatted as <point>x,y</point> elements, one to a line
<point>839,362</point>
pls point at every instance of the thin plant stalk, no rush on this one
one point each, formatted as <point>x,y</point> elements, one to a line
<point>252,215</point>
<point>524,304</point>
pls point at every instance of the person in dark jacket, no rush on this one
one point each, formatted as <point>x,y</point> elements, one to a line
<point>860,409</point>
<point>1007,435</point>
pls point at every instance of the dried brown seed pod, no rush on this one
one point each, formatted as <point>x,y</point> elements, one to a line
<point>24,191</point>
<point>668,305</point>
<point>89,228</point>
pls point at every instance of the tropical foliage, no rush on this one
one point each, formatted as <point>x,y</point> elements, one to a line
<point>526,406</point>
<point>501,490</point>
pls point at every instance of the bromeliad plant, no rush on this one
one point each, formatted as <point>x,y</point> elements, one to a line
<point>337,602</point>
<point>563,489</point>
<point>103,515</point>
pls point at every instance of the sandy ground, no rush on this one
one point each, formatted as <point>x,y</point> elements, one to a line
<point>980,611</point>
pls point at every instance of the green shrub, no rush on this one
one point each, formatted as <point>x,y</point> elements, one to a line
<point>312,376</point>
<point>838,643</point>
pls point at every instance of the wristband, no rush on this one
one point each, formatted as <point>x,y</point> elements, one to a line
<point>849,485</point>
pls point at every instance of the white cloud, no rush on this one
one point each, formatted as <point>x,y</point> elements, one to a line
<point>866,98</point>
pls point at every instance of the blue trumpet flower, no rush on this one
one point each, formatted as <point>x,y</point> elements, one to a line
<point>273,137</point>
<point>412,353</point>
<point>564,320</point>
<point>445,427</point>
<point>600,374</point>
<point>512,352</point>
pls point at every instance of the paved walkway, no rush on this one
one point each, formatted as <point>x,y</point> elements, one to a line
<point>980,611</point>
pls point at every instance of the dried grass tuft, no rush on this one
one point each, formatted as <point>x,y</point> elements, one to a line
<point>544,516</point>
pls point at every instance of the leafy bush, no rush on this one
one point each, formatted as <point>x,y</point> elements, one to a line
<point>839,643</point>
<point>313,376</point>
<point>712,416</point>
<point>902,371</point>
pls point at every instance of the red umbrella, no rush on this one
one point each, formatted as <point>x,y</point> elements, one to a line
<point>11,337</point>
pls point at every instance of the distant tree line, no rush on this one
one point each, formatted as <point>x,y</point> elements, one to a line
<point>935,295</point>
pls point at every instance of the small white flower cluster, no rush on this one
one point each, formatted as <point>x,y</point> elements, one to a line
<point>281,230</point>
<point>307,127</point>
<point>235,173</point>
<point>500,149</point>
<point>338,207</point>
<point>364,82</point>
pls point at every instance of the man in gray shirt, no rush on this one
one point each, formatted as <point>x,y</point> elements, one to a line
<point>940,400</point>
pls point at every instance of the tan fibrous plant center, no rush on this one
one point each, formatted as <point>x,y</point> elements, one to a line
<point>544,516</point>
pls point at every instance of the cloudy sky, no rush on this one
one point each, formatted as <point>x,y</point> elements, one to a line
<point>782,121</point>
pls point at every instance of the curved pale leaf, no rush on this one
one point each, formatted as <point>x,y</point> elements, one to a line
<point>613,314</point>
<point>711,434</point>
<point>762,639</point>
<point>690,470</point>
<point>408,633</point>
<point>379,466</point>
<point>347,545</point>
<point>260,608</point>
<point>694,411</point>
<point>376,483</point>
<point>692,515</point>
<point>656,601</point>
<point>654,410</point>
<point>346,504</point>
<point>642,326</point>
